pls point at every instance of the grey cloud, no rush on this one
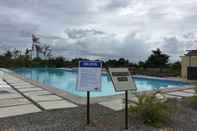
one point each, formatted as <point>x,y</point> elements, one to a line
<point>101,27</point>
<point>14,34</point>
<point>117,4</point>
<point>107,47</point>
<point>173,46</point>
<point>81,33</point>
<point>59,11</point>
<point>189,35</point>
<point>134,48</point>
<point>176,46</point>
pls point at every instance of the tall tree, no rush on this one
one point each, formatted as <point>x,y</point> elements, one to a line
<point>28,53</point>
<point>8,54</point>
<point>123,62</point>
<point>16,53</point>
<point>157,59</point>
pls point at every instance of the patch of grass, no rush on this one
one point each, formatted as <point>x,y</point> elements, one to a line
<point>151,111</point>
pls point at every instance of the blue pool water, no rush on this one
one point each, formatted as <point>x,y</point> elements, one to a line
<point>66,80</point>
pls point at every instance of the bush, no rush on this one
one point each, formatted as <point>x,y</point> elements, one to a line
<point>193,102</point>
<point>151,110</point>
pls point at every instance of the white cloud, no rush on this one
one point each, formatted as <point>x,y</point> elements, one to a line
<point>176,46</point>
<point>111,28</point>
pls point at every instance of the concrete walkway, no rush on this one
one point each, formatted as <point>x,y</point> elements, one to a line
<point>18,97</point>
<point>182,93</point>
<point>115,105</point>
<point>13,103</point>
<point>118,104</point>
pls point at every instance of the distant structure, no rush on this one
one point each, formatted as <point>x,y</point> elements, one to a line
<point>189,65</point>
<point>40,50</point>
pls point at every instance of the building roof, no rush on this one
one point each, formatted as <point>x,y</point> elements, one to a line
<point>191,53</point>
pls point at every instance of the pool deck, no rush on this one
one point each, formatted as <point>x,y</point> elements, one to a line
<point>19,96</point>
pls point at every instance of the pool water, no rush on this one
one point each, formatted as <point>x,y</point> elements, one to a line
<point>67,80</point>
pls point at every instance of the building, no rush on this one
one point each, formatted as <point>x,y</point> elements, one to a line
<point>189,65</point>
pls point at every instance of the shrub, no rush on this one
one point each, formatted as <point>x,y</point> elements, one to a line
<point>151,110</point>
<point>193,102</point>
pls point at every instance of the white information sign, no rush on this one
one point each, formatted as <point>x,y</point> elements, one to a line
<point>89,76</point>
<point>122,79</point>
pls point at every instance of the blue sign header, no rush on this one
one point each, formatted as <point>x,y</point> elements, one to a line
<point>91,64</point>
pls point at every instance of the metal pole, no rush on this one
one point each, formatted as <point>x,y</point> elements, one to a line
<point>88,107</point>
<point>126,109</point>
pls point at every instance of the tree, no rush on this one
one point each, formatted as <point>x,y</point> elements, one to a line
<point>59,61</point>
<point>28,53</point>
<point>176,65</point>
<point>123,62</point>
<point>16,53</point>
<point>157,59</point>
<point>8,54</point>
<point>141,64</point>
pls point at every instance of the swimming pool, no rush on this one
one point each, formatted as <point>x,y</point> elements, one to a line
<point>67,79</point>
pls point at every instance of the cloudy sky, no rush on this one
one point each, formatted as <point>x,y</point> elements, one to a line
<point>101,28</point>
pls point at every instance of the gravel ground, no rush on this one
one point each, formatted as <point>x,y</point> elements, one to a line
<point>102,119</point>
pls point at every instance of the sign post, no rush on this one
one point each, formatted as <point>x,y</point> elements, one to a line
<point>88,108</point>
<point>126,109</point>
<point>89,80</point>
<point>123,81</point>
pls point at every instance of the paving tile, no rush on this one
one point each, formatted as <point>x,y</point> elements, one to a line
<point>5,86</point>
<point>16,81</point>
<point>181,94</point>
<point>133,99</point>
<point>3,82</point>
<point>30,89</point>
<point>21,83</point>
<point>45,98</point>
<point>10,96</point>
<point>18,110</point>
<point>57,104</point>
<point>190,91</point>
<point>172,96</point>
<point>8,90</point>
<point>23,86</point>
<point>2,87</point>
<point>115,105</point>
<point>37,93</point>
<point>12,102</point>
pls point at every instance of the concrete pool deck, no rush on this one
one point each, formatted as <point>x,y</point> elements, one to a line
<point>19,97</point>
<point>26,96</point>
